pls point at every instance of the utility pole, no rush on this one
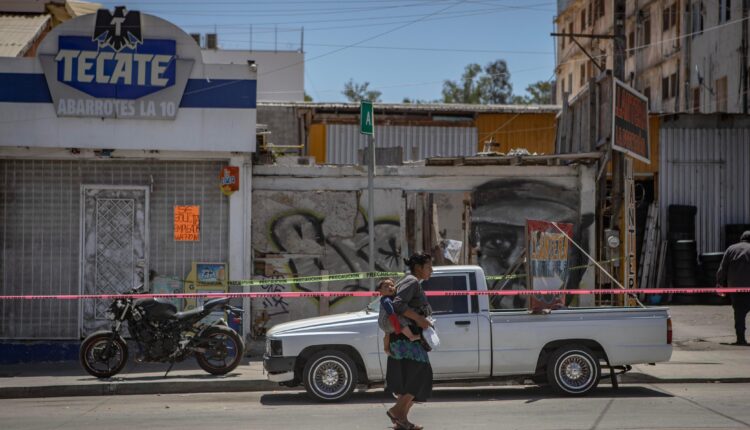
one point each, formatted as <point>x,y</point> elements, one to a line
<point>618,158</point>
<point>618,70</point>
<point>745,64</point>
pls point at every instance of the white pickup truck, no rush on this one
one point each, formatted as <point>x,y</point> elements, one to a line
<point>566,348</point>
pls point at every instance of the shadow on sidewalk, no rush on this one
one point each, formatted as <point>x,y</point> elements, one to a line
<point>644,378</point>
<point>530,394</point>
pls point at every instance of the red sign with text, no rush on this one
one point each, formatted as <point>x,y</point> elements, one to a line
<point>630,122</point>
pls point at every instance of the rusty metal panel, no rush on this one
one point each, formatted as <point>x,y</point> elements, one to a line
<point>535,132</point>
<point>317,142</point>
<point>706,168</point>
<point>653,134</point>
<point>343,141</point>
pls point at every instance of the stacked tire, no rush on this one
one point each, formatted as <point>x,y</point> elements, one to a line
<point>681,222</point>
<point>710,263</point>
<point>685,270</point>
<point>683,252</point>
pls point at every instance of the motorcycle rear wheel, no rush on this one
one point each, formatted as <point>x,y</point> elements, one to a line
<point>102,356</point>
<point>224,350</point>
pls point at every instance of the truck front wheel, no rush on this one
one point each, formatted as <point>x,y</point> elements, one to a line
<point>573,370</point>
<point>330,376</point>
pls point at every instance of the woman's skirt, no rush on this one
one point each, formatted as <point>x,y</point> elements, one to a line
<point>409,370</point>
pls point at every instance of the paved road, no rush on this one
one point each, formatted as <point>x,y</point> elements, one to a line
<point>669,406</point>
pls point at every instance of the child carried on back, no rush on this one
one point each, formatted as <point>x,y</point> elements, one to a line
<point>389,321</point>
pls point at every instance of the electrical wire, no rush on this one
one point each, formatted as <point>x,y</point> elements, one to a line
<point>366,39</point>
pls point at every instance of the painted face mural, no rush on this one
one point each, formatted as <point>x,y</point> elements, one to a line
<point>500,210</point>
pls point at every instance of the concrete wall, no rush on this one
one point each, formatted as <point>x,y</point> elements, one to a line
<point>313,220</point>
<point>283,123</point>
<point>281,75</point>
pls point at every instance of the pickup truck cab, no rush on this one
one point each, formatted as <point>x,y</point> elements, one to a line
<point>567,348</point>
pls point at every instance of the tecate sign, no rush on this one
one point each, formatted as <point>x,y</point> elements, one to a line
<point>116,72</point>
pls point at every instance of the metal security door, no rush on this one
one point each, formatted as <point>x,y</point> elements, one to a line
<point>114,247</point>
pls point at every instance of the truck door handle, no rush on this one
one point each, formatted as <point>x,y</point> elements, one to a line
<point>462,322</point>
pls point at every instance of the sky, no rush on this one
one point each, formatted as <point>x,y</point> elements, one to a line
<point>403,48</point>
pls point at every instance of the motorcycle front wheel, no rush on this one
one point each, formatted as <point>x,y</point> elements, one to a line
<point>223,350</point>
<point>103,354</point>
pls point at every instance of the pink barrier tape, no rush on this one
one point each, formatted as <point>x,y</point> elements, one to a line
<point>375,293</point>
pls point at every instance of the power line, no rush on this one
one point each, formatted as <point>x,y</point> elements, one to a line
<point>404,48</point>
<point>367,39</point>
<point>469,12</point>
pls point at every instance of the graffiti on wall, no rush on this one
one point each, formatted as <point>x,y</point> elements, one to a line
<point>339,254</point>
<point>324,233</point>
<point>500,209</point>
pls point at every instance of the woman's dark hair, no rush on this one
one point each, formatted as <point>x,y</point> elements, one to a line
<point>417,259</point>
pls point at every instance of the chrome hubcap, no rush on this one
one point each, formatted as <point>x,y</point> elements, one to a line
<point>330,378</point>
<point>576,371</point>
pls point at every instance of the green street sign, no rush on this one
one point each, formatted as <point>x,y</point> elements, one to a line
<point>366,118</point>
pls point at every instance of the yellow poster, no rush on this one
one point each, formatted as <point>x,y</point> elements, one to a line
<point>187,223</point>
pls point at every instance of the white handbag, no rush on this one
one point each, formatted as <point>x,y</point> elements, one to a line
<point>431,336</point>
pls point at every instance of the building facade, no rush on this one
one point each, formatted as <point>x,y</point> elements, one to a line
<point>312,220</point>
<point>113,151</point>
<point>684,55</point>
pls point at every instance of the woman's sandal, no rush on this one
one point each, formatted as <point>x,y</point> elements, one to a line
<point>397,423</point>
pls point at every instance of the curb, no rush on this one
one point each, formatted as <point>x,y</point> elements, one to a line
<point>125,388</point>
<point>648,379</point>
<point>107,388</point>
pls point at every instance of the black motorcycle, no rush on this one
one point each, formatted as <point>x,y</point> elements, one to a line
<point>164,335</point>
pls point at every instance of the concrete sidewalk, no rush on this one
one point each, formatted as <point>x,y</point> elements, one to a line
<point>69,379</point>
<point>699,356</point>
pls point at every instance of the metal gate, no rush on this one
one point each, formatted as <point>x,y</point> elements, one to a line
<point>114,246</point>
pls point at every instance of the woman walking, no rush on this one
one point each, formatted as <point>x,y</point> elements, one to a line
<point>409,374</point>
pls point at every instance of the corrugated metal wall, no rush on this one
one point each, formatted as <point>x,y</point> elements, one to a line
<point>706,168</point>
<point>39,237</point>
<point>535,132</point>
<point>343,141</point>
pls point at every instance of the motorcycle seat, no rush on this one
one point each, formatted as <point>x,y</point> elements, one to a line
<point>189,314</point>
<point>200,309</point>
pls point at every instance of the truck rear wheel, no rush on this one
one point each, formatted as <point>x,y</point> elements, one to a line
<point>573,370</point>
<point>330,376</point>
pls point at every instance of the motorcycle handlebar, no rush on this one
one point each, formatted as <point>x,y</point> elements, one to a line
<point>235,310</point>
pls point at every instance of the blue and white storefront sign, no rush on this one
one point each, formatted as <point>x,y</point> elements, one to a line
<point>122,79</point>
<point>116,71</point>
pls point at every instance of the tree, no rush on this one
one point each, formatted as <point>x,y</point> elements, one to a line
<point>308,98</point>
<point>408,100</point>
<point>355,92</point>
<point>490,85</point>
<point>496,86</point>
<point>466,91</point>
<point>540,93</point>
